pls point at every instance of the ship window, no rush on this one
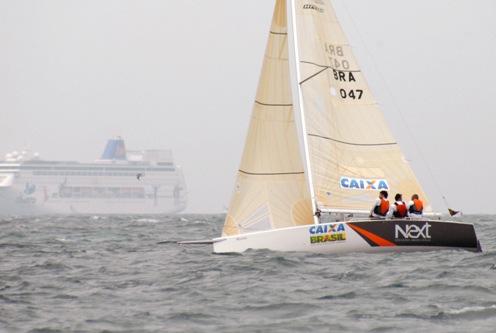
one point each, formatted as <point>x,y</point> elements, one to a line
<point>101,192</point>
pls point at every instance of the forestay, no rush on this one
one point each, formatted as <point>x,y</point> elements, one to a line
<point>352,152</point>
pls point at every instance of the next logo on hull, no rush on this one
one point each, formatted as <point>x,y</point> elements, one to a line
<point>363,184</point>
<point>413,231</point>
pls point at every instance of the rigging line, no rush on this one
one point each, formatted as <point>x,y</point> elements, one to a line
<point>353,144</point>
<point>314,75</point>
<point>395,104</point>
<point>339,70</point>
<point>271,173</point>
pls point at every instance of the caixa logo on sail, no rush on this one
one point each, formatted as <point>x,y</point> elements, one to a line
<point>412,232</point>
<point>363,184</point>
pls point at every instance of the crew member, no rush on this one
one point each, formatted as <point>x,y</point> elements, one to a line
<point>399,209</point>
<point>381,207</point>
<point>416,207</point>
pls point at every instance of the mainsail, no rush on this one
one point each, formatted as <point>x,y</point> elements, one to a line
<point>352,152</point>
<point>347,151</point>
<point>271,189</point>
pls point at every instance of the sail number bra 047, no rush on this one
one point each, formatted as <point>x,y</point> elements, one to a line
<point>342,72</point>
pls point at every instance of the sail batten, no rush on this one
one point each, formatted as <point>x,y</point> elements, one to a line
<point>352,143</point>
<point>273,104</point>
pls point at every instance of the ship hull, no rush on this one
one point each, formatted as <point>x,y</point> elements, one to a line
<point>25,193</point>
<point>11,203</point>
<point>369,236</point>
<point>85,207</point>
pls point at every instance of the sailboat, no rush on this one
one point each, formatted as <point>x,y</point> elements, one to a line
<point>318,151</point>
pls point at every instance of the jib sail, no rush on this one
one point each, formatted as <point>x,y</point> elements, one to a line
<point>271,188</point>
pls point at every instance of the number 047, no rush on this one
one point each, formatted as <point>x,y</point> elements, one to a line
<point>353,94</point>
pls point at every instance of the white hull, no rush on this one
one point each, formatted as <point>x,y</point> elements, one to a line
<point>343,237</point>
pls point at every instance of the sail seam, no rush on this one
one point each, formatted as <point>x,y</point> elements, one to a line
<point>278,33</point>
<point>270,104</point>
<point>313,63</point>
<point>271,173</point>
<point>352,143</point>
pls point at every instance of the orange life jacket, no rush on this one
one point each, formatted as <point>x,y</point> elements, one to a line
<point>417,207</point>
<point>383,208</point>
<point>401,210</point>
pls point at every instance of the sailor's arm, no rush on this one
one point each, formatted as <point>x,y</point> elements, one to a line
<point>410,204</point>
<point>392,209</point>
<point>372,211</point>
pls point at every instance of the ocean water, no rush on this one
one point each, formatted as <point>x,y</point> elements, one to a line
<point>127,274</point>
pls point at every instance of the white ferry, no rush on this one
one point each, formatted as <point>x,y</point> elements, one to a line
<point>121,182</point>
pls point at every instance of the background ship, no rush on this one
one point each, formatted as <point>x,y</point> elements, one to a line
<point>121,182</point>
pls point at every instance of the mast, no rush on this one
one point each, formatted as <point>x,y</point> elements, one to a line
<point>298,108</point>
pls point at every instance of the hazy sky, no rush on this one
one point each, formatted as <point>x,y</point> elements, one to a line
<point>183,75</point>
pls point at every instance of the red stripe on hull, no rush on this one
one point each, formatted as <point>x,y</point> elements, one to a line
<point>379,241</point>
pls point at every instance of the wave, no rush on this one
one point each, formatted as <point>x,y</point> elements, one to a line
<point>469,312</point>
<point>147,220</point>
